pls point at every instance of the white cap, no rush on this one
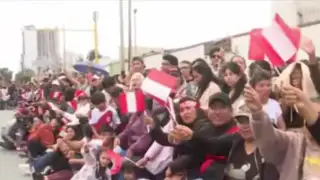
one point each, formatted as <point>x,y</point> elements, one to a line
<point>55,82</point>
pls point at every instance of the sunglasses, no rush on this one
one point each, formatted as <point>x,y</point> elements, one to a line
<point>242,119</point>
<point>215,56</point>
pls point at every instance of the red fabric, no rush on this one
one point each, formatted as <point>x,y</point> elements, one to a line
<point>255,51</point>
<point>116,162</point>
<point>210,159</point>
<point>43,133</point>
<point>104,119</point>
<point>73,104</point>
<point>139,101</point>
<point>259,47</point>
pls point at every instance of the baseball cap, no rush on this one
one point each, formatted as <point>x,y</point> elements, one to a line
<point>221,97</point>
<point>242,111</point>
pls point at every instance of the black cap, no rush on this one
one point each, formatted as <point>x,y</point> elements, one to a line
<point>221,97</point>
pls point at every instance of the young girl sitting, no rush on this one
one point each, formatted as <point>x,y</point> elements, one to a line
<point>96,166</point>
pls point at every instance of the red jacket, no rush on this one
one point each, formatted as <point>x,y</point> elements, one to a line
<point>44,134</point>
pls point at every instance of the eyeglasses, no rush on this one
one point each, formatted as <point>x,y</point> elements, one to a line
<point>215,56</point>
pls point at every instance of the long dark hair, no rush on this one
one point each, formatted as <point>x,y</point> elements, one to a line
<point>201,67</point>
<point>239,86</point>
<point>101,171</point>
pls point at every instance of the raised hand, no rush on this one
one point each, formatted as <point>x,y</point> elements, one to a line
<point>252,99</point>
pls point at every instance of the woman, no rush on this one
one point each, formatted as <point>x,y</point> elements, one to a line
<point>157,158</point>
<point>181,85</point>
<point>234,82</point>
<point>240,61</point>
<point>298,75</point>
<point>185,68</point>
<point>185,154</point>
<point>207,83</point>
<point>134,137</point>
<point>296,155</point>
<point>261,83</point>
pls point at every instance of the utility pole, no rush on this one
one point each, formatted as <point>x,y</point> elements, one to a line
<point>122,60</point>
<point>135,31</point>
<point>64,47</point>
<point>130,33</point>
<point>95,34</point>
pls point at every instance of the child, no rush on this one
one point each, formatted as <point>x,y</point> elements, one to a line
<point>128,169</point>
<point>95,168</point>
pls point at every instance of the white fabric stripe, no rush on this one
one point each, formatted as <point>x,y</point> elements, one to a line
<point>53,107</point>
<point>131,102</point>
<point>156,89</point>
<point>96,115</point>
<point>279,41</point>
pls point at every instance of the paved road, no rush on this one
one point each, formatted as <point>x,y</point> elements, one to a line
<point>9,160</point>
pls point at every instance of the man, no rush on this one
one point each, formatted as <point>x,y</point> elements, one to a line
<point>186,70</point>
<point>216,58</point>
<point>169,63</point>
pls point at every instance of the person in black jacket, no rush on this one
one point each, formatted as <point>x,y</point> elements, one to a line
<point>244,160</point>
<point>186,154</point>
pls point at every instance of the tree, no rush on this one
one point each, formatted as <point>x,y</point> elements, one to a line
<point>91,55</point>
<point>6,74</point>
<point>24,76</point>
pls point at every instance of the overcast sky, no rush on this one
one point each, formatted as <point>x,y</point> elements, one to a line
<point>167,24</point>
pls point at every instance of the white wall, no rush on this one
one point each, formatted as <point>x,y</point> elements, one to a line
<point>311,32</point>
<point>287,10</point>
<point>186,54</point>
<point>190,54</point>
<point>153,61</point>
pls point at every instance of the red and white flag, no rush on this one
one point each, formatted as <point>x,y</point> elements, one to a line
<point>279,43</point>
<point>132,102</point>
<point>159,85</point>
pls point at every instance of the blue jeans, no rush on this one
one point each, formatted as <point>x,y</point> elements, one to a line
<point>41,162</point>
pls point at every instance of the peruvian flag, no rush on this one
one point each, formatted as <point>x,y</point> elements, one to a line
<point>131,102</point>
<point>279,43</point>
<point>159,85</point>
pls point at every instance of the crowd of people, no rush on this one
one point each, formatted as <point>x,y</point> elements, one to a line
<point>231,122</point>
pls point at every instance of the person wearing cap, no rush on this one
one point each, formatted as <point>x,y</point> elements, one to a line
<point>242,157</point>
<point>186,154</point>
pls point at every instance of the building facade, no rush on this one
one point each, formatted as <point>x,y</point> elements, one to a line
<point>41,49</point>
<point>297,13</point>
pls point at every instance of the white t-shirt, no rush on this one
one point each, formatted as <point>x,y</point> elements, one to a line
<point>273,109</point>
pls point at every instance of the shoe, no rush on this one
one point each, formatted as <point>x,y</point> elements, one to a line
<point>25,168</point>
